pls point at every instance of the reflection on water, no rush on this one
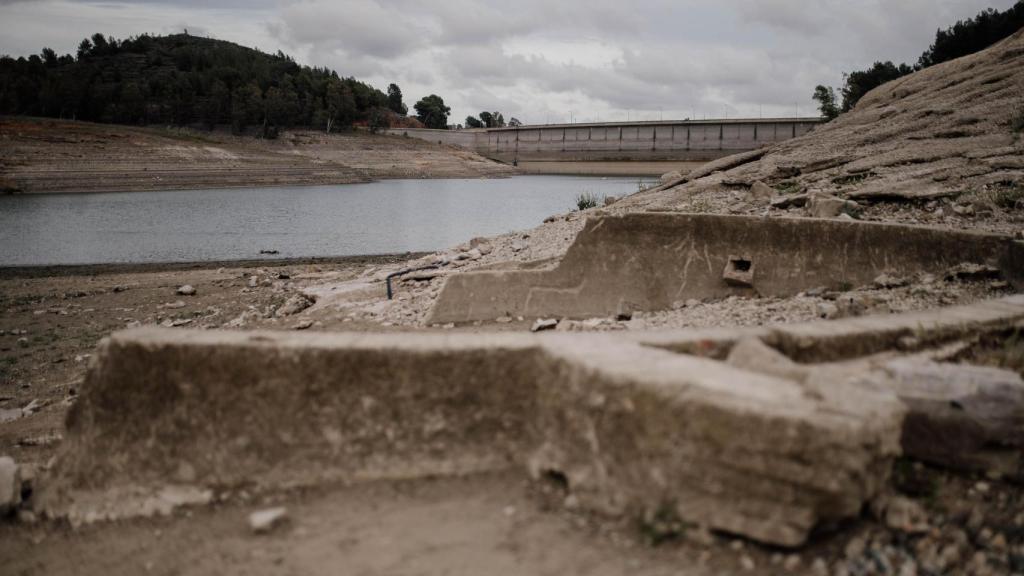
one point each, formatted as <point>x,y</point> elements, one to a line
<point>193,225</point>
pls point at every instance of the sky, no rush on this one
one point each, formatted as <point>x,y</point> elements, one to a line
<point>540,61</point>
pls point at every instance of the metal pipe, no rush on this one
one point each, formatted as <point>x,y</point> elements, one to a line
<point>404,272</point>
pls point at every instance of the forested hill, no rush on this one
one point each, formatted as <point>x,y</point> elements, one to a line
<point>184,80</point>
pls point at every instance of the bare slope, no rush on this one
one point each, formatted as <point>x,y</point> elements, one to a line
<point>38,155</point>
<point>943,146</point>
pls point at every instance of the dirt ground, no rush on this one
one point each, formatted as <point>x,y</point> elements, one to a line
<point>45,155</point>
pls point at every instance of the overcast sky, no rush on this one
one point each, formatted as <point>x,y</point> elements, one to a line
<point>540,60</point>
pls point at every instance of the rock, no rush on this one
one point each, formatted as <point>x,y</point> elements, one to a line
<point>790,201</point>
<point>297,303</point>
<point>303,325</point>
<point>761,192</point>
<point>542,324</point>
<point>485,249</point>
<point>846,217</point>
<point>821,205</point>
<point>175,305</point>
<point>747,563</point>
<point>971,271</point>
<point>754,355</point>
<point>609,200</point>
<point>826,310</point>
<point>424,275</point>
<point>186,290</point>
<point>518,246</point>
<point>889,281</point>
<point>10,485</point>
<point>959,416</point>
<point>263,521</point>
<point>474,254</point>
<point>905,515</point>
<point>671,176</point>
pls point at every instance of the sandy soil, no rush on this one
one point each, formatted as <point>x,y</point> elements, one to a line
<point>45,155</point>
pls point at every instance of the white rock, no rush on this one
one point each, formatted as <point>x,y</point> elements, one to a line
<point>544,324</point>
<point>187,290</point>
<point>518,246</point>
<point>263,521</point>
<point>10,485</point>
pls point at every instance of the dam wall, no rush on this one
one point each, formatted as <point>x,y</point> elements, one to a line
<point>676,140</point>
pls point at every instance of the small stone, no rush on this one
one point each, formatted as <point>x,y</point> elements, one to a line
<point>747,563</point>
<point>855,547</point>
<point>474,254</point>
<point>186,290</point>
<point>791,563</point>
<point>175,305</point>
<point>295,304</point>
<point>303,325</point>
<point>263,521</point>
<point>819,567</point>
<point>10,485</point>
<point>503,319</point>
<point>889,281</point>
<point>518,246</point>
<point>544,324</point>
<point>906,515</point>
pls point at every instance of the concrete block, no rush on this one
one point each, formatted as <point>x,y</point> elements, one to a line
<point>630,428</point>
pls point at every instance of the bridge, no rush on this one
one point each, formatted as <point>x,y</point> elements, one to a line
<point>660,141</point>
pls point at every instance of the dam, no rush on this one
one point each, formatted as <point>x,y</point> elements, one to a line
<point>653,141</point>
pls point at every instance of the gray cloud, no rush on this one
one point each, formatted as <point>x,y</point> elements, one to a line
<point>541,59</point>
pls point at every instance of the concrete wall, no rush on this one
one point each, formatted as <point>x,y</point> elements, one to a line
<point>699,140</point>
<point>643,262</point>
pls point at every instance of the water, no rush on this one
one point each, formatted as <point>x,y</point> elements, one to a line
<point>390,216</point>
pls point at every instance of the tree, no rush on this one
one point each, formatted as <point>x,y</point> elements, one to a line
<point>826,98</point>
<point>861,82</point>
<point>473,122</point>
<point>432,112</point>
<point>514,122</point>
<point>395,100</point>
<point>49,57</point>
<point>487,118</point>
<point>379,120</point>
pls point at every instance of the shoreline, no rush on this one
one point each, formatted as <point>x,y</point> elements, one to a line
<point>66,270</point>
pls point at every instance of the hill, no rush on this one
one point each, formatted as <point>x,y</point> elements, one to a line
<point>183,80</point>
<point>943,146</point>
<point>44,155</point>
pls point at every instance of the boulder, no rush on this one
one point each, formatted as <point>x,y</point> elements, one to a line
<point>959,416</point>
<point>821,205</point>
<point>761,192</point>
<point>187,290</point>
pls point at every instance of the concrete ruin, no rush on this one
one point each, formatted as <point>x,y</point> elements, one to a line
<point>648,261</point>
<point>629,424</point>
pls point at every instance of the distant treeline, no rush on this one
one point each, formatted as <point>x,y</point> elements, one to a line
<point>188,80</point>
<point>963,38</point>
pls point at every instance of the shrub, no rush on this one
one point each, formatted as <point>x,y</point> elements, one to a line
<point>586,200</point>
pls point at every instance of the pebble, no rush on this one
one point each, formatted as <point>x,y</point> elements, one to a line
<point>747,563</point>
<point>187,290</point>
<point>263,521</point>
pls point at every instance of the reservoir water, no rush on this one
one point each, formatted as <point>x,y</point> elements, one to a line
<point>390,216</point>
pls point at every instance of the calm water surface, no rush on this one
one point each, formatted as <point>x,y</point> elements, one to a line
<point>354,219</point>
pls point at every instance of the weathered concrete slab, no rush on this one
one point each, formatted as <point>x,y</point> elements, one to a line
<point>631,428</point>
<point>647,261</point>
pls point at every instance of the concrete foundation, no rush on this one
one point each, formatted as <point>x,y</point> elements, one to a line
<point>648,261</point>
